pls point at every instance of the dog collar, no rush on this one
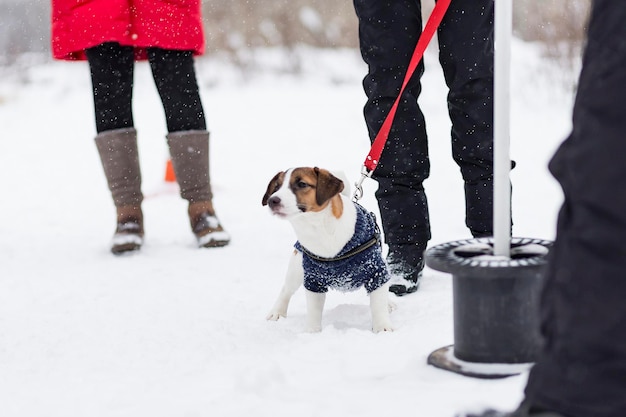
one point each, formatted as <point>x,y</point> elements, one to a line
<point>364,246</point>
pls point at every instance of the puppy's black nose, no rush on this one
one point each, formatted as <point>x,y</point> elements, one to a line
<point>274,202</point>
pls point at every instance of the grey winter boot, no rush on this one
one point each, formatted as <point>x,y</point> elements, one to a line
<point>189,151</point>
<point>120,161</point>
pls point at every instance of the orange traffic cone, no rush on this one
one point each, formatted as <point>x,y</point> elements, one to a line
<point>170,176</point>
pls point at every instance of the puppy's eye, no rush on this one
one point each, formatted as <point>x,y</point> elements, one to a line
<point>302,184</point>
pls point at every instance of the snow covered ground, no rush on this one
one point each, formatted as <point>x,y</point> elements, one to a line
<point>179,331</point>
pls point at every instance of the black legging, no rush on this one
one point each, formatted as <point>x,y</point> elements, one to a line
<point>112,78</point>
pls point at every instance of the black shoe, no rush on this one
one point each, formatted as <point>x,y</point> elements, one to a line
<point>405,264</point>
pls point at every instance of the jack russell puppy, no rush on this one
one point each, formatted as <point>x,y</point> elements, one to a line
<point>338,245</point>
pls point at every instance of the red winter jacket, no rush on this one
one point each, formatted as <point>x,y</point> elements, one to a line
<point>168,24</point>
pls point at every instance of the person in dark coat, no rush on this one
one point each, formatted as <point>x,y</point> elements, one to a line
<point>111,35</point>
<point>581,370</point>
<point>388,33</point>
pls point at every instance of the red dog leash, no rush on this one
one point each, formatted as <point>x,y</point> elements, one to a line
<point>372,159</point>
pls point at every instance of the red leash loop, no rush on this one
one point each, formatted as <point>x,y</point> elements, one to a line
<point>441,6</point>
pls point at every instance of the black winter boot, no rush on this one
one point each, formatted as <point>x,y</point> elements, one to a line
<point>405,263</point>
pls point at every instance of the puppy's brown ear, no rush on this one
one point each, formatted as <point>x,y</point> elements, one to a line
<point>327,186</point>
<point>273,186</point>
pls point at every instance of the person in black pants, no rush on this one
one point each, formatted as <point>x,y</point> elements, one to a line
<point>581,370</point>
<point>388,33</point>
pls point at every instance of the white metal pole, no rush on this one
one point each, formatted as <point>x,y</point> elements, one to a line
<point>501,119</point>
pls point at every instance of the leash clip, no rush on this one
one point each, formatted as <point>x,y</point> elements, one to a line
<point>358,186</point>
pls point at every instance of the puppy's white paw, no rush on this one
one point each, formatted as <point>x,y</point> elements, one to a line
<point>384,327</point>
<point>313,329</point>
<point>275,315</point>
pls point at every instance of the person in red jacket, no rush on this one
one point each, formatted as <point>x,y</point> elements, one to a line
<point>111,35</point>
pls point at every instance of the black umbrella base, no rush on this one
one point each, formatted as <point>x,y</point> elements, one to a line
<point>444,358</point>
<point>496,305</point>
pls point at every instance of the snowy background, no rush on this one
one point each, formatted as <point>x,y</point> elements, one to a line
<point>176,331</point>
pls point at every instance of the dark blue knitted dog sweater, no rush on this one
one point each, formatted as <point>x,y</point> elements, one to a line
<point>365,268</point>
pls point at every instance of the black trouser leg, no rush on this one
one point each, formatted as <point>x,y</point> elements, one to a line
<point>111,67</point>
<point>467,58</point>
<point>581,371</point>
<point>175,79</point>
<point>388,32</point>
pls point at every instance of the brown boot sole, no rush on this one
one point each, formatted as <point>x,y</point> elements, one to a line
<point>125,248</point>
<point>213,239</point>
<point>128,237</point>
